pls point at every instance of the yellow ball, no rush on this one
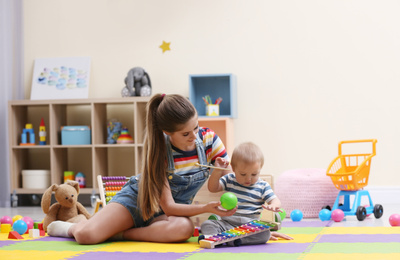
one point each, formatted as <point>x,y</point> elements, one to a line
<point>16,217</point>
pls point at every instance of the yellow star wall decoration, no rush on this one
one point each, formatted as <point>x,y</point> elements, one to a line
<point>165,46</point>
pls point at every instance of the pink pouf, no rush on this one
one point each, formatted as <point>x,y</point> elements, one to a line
<point>305,189</point>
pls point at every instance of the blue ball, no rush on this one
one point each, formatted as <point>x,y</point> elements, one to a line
<point>20,227</point>
<point>296,215</point>
<point>325,214</point>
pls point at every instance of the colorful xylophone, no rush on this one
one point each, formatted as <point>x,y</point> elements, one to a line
<point>109,186</point>
<point>248,229</point>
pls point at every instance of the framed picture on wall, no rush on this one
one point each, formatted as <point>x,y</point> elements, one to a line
<point>61,78</point>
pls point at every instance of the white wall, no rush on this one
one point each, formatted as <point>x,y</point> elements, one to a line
<point>310,73</point>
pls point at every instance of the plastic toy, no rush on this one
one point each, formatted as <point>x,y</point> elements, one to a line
<point>125,137</point>
<point>251,228</point>
<point>296,215</point>
<point>42,133</point>
<point>81,179</point>
<point>349,173</point>
<point>394,220</point>
<point>67,208</point>
<point>280,216</point>
<point>6,220</point>
<point>14,235</point>
<point>114,129</point>
<point>28,221</point>
<point>337,215</point>
<point>108,187</point>
<point>34,233</point>
<point>20,227</point>
<point>5,228</point>
<point>137,83</point>
<point>324,214</point>
<point>69,176</point>
<point>228,200</point>
<point>16,217</point>
<point>28,130</point>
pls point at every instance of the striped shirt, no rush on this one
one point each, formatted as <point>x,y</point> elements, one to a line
<point>185,160</point>
<point>250,198</point>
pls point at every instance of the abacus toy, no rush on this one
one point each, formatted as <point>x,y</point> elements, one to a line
<point>108,187</point>
<point>248,229</point>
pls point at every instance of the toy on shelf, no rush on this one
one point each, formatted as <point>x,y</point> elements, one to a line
<point>81,179</point>
<point>42,133</point>
<point>248,229</point>
<point>108,187</point>
<point>114,129</point>
<point>125,137</point>
<point>69,176</point>
<point>24,139</point>
<point>137,83</point>
<point>349,173</point>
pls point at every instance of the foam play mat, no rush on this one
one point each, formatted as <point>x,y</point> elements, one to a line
<point>312,240</point>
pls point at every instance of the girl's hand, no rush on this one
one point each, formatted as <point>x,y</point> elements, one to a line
<point>215,207</point>
<point>272,208</point>
<point>277,236</point>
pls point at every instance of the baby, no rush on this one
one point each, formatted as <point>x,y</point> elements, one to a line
<point>252,192</point>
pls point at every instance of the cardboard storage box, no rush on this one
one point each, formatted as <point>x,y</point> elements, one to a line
<point>75,135</point>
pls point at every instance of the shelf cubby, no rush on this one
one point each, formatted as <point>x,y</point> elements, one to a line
<point>214,85</point>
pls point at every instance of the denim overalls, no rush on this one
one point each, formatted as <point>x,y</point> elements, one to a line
<point>183,188</point>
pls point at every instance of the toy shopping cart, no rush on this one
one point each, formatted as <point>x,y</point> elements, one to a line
<point>349,173</point>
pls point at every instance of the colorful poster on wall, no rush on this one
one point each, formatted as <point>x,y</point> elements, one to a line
<point>61,78</point>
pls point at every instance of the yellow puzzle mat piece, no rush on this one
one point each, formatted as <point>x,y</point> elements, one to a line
<point>36,255</point>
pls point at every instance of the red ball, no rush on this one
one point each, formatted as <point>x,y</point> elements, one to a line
<point>337,215</point>
<point>394,220</point>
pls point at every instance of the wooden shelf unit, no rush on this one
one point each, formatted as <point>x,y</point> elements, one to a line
<point>93,159</point>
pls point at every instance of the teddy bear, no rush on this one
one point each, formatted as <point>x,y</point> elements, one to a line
<point>137,83</point>
<point>67,208</point>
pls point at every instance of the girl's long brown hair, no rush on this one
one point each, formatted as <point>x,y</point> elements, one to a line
<point>164,113</point>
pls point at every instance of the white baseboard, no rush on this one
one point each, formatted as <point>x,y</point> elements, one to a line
<point>384,194</point>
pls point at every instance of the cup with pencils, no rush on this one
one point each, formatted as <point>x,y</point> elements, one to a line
<point>212,108</point>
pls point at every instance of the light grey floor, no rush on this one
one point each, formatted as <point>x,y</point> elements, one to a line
<point>37,214</point>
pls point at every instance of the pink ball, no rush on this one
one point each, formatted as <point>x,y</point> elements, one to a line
<point>6,220</point>
<point>28,221</point>
<point>337,215</point>
<point>394,220</point>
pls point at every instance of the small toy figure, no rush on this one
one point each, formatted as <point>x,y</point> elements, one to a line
<point>42,133</point>
<point>113,131</point>
<point>28,130</point>
<point>81,179</point>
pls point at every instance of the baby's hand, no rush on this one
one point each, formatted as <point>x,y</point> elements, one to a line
<point>221,162</point>
<point>272,208</point>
